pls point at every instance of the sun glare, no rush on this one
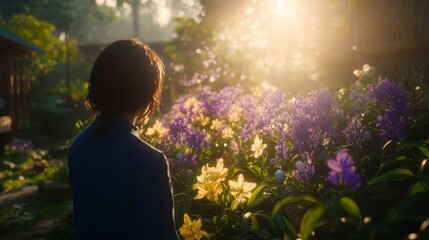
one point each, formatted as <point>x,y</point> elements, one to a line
<point>108,3</point>
<point>163,12</point>
<point>284,7</point>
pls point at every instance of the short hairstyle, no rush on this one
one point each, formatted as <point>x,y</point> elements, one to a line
<point>127,76</point>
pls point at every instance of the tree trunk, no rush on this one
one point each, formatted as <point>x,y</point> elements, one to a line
<point>136,18</point>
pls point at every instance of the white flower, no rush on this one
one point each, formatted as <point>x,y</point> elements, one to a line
<point>258,147</point>
<point>234,113</point>
<point>227,133</point>
<point>216,124</point>
<point>240,189</point>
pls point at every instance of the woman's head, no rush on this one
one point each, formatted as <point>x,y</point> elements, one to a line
<point>127,77</point>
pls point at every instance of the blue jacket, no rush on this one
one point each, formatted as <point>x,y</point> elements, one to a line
<point>121,185</point>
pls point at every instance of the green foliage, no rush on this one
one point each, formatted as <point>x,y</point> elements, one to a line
<point>55,111</point>
<point>393,175</point>
<point>310,220</point>
<point>29,167</point>
<point>42,34</point>
<point>351,208</point>
<point>63,229</point>
<point>57,173</point>
<point>13,217</point>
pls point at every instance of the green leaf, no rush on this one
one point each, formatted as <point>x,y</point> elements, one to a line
<point>309,220</point>
<point>425,151</point>
<point>351,208</point>
<point>416,188</point>
<point>255,223</point>
<point>393,160</point>
<point>286,237</point>
<point>255,196</point>
<point>393,175</point>
<point>293,199</point>
<point>284,225</point>
<point>413,144</point>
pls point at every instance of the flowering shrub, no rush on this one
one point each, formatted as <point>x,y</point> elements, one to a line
<point>258,164</point>
<point>18,145</point>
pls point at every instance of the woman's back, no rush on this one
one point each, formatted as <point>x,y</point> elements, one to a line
<point>121,187</point>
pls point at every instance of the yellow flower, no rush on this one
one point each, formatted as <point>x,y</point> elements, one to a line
<point>193,105</point>
<point>241,190</point>
<point>191,230</point>
<point>208,189</point>
<point>157,129</point>
<point>218,172</point>
<point>234,113</point>
<point>227,133</point>
<point>209,183</point>
<point>216,124</point>
<point>258,147</point>
<point>202,120</point>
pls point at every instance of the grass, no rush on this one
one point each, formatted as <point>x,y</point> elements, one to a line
<point>42,207</point>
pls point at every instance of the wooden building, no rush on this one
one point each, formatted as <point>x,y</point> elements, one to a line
<point>14,79</point>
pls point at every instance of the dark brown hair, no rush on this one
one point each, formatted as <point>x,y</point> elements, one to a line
<point>127,76</point>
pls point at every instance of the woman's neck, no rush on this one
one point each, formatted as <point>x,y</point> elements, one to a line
<point>129,117</point>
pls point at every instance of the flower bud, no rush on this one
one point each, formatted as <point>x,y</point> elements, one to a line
<point>366,136</point>
<point>180,156</point>
<point>300,166</point>
<point>280,176</point>
<point>189,173</point>
<point>273,161</point>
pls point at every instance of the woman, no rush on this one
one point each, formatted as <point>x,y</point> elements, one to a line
<point>121,185</point>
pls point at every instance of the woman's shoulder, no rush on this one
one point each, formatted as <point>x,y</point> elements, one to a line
<point>145,147</point>
<point>146,153</point>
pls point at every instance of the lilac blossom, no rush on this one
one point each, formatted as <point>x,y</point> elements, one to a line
<point>343,171</point>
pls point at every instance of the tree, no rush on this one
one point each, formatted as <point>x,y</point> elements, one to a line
<point>41,34</point>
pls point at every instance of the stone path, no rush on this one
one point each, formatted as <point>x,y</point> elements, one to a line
<point>18,196</point>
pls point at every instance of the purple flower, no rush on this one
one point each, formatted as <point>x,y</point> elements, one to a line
<point>394,101</point>
<point>393,125</point>
<point>274,112</point>
<point>191,158</point>
<point>251,116</point>
<point>343,171</point>
<point>196,139</point>
<point>281,149</point>
<point>312,120</point>
<point>18,145</point>
<point>224,99</point>
<point>387,94</point>
<point>353,131</point>
<point>304,171</point>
